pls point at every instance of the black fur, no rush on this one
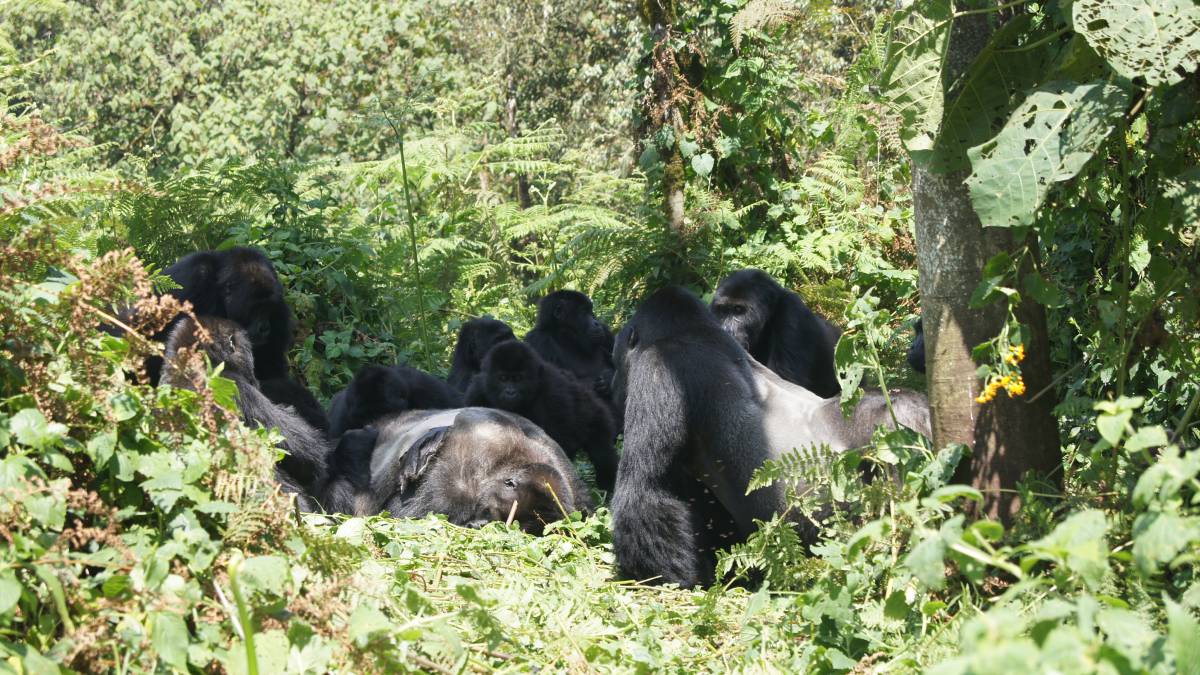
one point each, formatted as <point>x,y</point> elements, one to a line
<point>378,391</point>
<point>779,330</point>
<point>700,417</point>
<point>916,351</point>
<point>568,335</point>
<point>303,465</point>
<point>475,338</point>
<point>286,391</point>
<point>516,379</point>
<point>469,464</point>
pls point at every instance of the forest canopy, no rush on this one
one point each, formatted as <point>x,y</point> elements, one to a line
<point>1023,178</point>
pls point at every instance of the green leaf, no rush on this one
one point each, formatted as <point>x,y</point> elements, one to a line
<point>267,573</point>
<point>1078,543</point>
<point>1042,291</point>
<point>1182,629</point>
<point>32,429</point>
<point>1159,537</point>
<point>912,73</point>
<point>926,562</point>
<point>365,621</point>
<point>1147,437</point>
<point>10,592</point>
<point>169,635</point>
<point>1048,139</point>
<point>1112,427</point>
<point>702,164</point>
<point>1154,39</point>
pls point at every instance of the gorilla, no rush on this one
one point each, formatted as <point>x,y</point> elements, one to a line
<point>475,338</point>
<point>568,335</point>
<point>474,465</point>
<point>377,391</point>
<point>304,464</point>
<point>516,379</point>
<point>240,284</point>
<point>701,416</point>
<point>916,351</point>
<point>779,330</point>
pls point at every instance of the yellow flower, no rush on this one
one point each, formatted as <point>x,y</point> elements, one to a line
<point>1016,354</point>
<point>1017,388</point>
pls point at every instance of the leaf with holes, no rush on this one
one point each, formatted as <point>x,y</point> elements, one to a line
<point>1155,39</point>
<point>1048,139</point>
<point>912,74</point>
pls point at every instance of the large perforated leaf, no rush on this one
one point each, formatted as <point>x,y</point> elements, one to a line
<point>1048,139</point>
<point>912,76</point>
<point>1156,39</point>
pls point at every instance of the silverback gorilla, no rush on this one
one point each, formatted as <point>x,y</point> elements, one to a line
<point>240,284</point>
<point>779,330</point>
<point>514,378</point>
<point>304,464</point>
<point>475,338</point>
<point>701,416</point>
<point>474,465</point>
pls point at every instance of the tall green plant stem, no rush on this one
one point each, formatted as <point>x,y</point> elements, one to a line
<point>412,240</point>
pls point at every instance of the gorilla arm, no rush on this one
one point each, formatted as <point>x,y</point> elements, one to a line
<point>655,529</point>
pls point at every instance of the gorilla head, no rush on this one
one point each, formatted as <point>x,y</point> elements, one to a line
<point>526,491</point>
<point>512,372</point>
<point>775,326</point>
<point>569,313</point>
<point>475,338</point>
<point>239,284</point>
<point>227,343</point>
<point>743,303</point>
<point>253,296</point>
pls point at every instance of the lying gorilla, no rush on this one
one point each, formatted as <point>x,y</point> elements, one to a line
<point>304,463</point>
<point>475,465</point>
<point>701,416</point>
<point>779,330</point>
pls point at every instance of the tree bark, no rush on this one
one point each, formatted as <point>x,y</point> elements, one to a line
<point>1007,436</point>
<point>660,15</point>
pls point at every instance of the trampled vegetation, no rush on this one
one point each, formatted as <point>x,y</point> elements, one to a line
<point>1024,176</point>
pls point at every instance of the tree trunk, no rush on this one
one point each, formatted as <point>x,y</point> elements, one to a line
<point>510,123</point>
<point>660,15</point>
<point>1007,436</point>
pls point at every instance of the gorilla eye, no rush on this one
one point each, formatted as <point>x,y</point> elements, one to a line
<point>510,483</point>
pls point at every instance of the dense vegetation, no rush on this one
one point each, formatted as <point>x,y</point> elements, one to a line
<point>410,165</point>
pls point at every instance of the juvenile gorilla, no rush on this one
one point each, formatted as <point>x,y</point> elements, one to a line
<point>916,350</point>
<point>473,465</point>
<point>516,379</point>
<point>779,330</point>
<point>475,338</point>
<point>304,464</point>
<point>240,284</point>
<point>378,391</point>
<point>568,335</point>
<point>700,417</point>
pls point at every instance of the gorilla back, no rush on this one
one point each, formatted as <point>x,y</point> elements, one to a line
<point>701,416</point>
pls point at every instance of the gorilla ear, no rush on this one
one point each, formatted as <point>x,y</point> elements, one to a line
<point>633,337</point>
<point>559,308</point>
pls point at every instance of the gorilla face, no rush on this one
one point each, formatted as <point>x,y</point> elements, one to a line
<point>526,492</point>
<point>253,296</point>
<point>742,303</point>
<point>228,344</point>
<point>571,311</point>
<point>513,373</point>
